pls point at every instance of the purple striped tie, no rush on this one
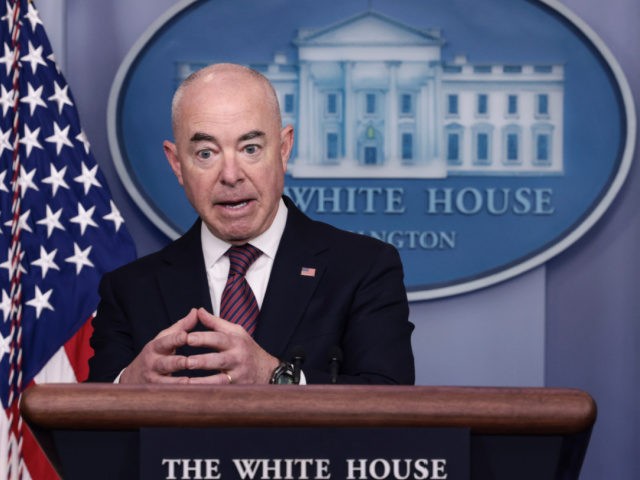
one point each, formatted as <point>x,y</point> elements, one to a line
<point>238,304</point>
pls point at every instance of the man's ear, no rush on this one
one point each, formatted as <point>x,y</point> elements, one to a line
<point>171,152</point>
<point>286,145</point>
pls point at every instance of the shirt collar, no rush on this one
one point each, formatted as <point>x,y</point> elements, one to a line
<point>214,248</point>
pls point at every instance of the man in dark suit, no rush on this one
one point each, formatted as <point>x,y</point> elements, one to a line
<point>335,298</point>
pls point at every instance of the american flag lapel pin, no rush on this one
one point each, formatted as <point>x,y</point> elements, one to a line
<point>308,272</point>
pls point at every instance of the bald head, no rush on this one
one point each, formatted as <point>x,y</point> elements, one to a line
<point>226,79</point>
<point>230,150</point>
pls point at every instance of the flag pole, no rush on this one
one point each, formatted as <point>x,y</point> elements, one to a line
<point>15,463</point>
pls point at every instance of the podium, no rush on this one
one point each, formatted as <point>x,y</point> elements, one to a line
<point>94,430</point>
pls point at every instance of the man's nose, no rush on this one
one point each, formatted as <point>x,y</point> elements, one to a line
<point>231,172</point>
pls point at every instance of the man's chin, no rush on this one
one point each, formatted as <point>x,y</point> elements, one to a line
<point>238,240</point>
<point>236,231</point>
<point>235,236</point>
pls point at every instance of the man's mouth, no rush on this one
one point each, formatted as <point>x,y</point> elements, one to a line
<point>234,205</point>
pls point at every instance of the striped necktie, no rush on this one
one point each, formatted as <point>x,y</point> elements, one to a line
<point>238,303</point>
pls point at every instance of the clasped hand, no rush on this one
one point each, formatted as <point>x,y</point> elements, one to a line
<point>235,356</point>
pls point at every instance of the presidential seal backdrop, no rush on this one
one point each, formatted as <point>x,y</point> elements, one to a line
<point>479,137</point>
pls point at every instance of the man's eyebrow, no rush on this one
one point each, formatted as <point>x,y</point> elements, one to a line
<point>251,135</point>
<point>203,137</point>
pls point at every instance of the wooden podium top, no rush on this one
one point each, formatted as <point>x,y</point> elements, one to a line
<point>517,411</point>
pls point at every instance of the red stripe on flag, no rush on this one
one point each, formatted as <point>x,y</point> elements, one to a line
<point>34,458</point>
<point>79,351</point>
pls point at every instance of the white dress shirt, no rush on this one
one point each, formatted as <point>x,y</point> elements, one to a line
<point>217,263</point>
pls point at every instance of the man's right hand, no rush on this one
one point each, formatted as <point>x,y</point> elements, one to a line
<point>158,360</point>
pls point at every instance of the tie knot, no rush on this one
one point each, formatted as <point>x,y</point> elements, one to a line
<point>241,257</point>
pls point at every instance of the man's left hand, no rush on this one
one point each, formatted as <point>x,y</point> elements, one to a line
<point>237,357</point>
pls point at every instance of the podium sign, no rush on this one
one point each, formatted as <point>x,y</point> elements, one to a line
<point>305,453</point>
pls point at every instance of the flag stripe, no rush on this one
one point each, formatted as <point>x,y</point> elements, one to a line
<point>36,462</point>
<point>79,351</point>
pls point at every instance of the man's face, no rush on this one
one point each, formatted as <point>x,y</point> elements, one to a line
<point>230,155</point>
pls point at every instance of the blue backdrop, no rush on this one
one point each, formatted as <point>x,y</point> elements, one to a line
<point>574,322</point>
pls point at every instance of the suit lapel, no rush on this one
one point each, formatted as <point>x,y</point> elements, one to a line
<point>183,278</point>
<point>290,287</point>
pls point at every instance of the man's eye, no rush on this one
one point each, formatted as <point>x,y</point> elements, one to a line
<point>204,154</point>
<point>251,149</point>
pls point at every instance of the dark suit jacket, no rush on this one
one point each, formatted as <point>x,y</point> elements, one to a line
<point>356,300</point>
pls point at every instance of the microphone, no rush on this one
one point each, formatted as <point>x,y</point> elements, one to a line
<point>297,358</point>
<point>335,359</point>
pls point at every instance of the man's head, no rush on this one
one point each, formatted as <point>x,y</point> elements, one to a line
<point>230,152</point>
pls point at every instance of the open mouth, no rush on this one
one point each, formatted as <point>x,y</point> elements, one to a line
<point>234,205</point>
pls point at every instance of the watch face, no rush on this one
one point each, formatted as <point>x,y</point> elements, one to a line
<point>283,374</point>
<point>284,379</point>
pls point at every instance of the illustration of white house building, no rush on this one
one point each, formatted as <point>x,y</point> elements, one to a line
<point>371,97</point>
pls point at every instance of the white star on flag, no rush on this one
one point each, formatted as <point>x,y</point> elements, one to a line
<point>25,180</point>
<point>3,187</point>
<point>80,258</point>
<point>40,301</point>
<point>8,264</point>
<point>52,57</point>
<point>60,137</point>
<point>34,57</point>
<point>7,98</point>
<point>22,222</point>
<point>30,139</point>
<point>5,305</point>
<point>82,138</point>
<point>4,346</point>
<point>114,216</point>
<point>34,98</point>
<point>51,220</point>
<point>61,96</point>
<point>7,58</point>
<point>4,141</point>
<point>8,17</point>
<point>45,262</point>
<point>84,218</point>
<point>33,17</point>
<point>56,179</point>
<point>88,178</point>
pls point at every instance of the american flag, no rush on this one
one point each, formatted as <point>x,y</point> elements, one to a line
<point>308,272</point>
<point>59,232</point>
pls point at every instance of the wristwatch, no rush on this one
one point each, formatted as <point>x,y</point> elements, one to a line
<point>282,374</point>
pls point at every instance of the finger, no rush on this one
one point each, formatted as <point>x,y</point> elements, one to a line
<point>215,323</point>
<point>167,344</point>
<point>176,335</point>
<point>218,379</point>
<point>209,361</point>
<point>168,379</point>
<point>213,340</point>
<point>186,323</point>
<point>166,365</point>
